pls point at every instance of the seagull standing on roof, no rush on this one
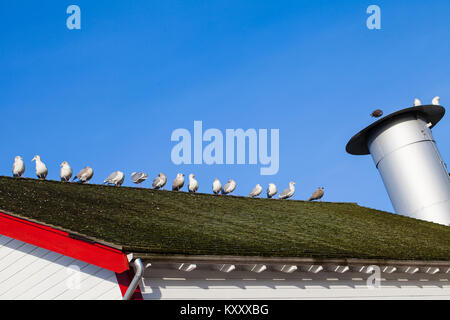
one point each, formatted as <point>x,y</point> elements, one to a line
<point>317,195</point>
<point>66,172</point>
<point>193,184</point>
<point>178,183</point>
<point>18,167</point>
<point>217,186</point>
<point>84,175</point>
<point>377,113</point>
<point>256,191</point>
<point>160,181</point>
<point>116,178</point>
<point>436,101</point>
<point>138,178</point>
<point>229,187</point>
<point>41,169</point>
<point>271,190</point>
<point>417,102</point>
<point>289,192</point>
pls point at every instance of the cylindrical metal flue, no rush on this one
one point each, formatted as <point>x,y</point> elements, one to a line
<point>405,153</point>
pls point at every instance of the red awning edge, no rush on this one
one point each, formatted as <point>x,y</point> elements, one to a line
<point>60,241</point>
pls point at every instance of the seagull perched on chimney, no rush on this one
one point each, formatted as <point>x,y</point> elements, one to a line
<point>289,192</point>
<point>66,172</point>
<point>317,195</point>
<point>41,169</point>
<point>18,167</point>
<point>193,184</point>
<point>377,113</point>
<point>435,101</point>
<point>417,102</point>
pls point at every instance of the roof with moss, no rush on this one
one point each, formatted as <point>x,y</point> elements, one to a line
<point>171,223</point>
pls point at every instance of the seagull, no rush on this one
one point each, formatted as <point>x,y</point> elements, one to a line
<point>116,178</point>
<point>256,191</point>
<point>18,167</point>
<point>377,113</point>
<point>229,187</point>
<point>66,172</point>
<point>84,175</point>
<point>41,169</point>
<point>160,181</point>
<point>435,101</point>
<point>138,178</point>
<point>178,183</point>
<point>317,195</point>
<point>289,192</point>
<point>193,184</point>
<point>217,186</point>
<point>271,190</point>
<point>417,102</point>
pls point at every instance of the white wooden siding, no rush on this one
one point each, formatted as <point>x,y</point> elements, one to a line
<point>201,284</point>
<point>30,272</point>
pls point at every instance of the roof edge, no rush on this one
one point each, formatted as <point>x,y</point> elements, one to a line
<point>284,260</point>
<point>62,242</point>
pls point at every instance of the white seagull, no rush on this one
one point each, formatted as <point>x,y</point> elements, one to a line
<point>160,181</point>
<point>271,190</point>
<point>193,183</point>
<point>18,167</point>
<point>217,186</point>
<point>139,177</point>
<point>116,178</point>
<point>417,102</point>
<point>256,191</point>
<point>66,172</point>
<point>289,192</point>
<point>178,183</point>
<point>84,175</point>
<point>229,187</point>
<point>41,169</point>
<point>436,102</point>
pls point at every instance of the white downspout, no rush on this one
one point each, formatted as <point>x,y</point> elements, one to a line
<point>139,271</point>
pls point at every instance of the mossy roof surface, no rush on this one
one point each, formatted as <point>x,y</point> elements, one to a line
<point>165,222</point>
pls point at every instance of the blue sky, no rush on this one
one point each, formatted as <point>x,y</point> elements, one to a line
<point>110,95</point>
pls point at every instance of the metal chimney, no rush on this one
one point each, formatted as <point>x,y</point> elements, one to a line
<point>404,151</point>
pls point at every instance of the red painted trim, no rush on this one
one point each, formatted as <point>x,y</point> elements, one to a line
<point>59,241</point>
<point>124,279</point>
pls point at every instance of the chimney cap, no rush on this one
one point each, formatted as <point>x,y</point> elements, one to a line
<point>358,143</point>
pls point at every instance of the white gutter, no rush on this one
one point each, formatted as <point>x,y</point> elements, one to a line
<point>139,271</point>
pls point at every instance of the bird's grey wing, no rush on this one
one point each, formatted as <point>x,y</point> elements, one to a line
<point>112,176</point>
<point>138,176</point>
<point>156,182</point>
<point>135,177</point>
<point>285,192</point>
<point>82,172</point>
<point>254,192</point>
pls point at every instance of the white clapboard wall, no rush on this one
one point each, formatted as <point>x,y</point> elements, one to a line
<point>201,284</point>
<point>30,272</point>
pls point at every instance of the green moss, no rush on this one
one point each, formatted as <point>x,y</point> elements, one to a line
<point>148,221</point>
